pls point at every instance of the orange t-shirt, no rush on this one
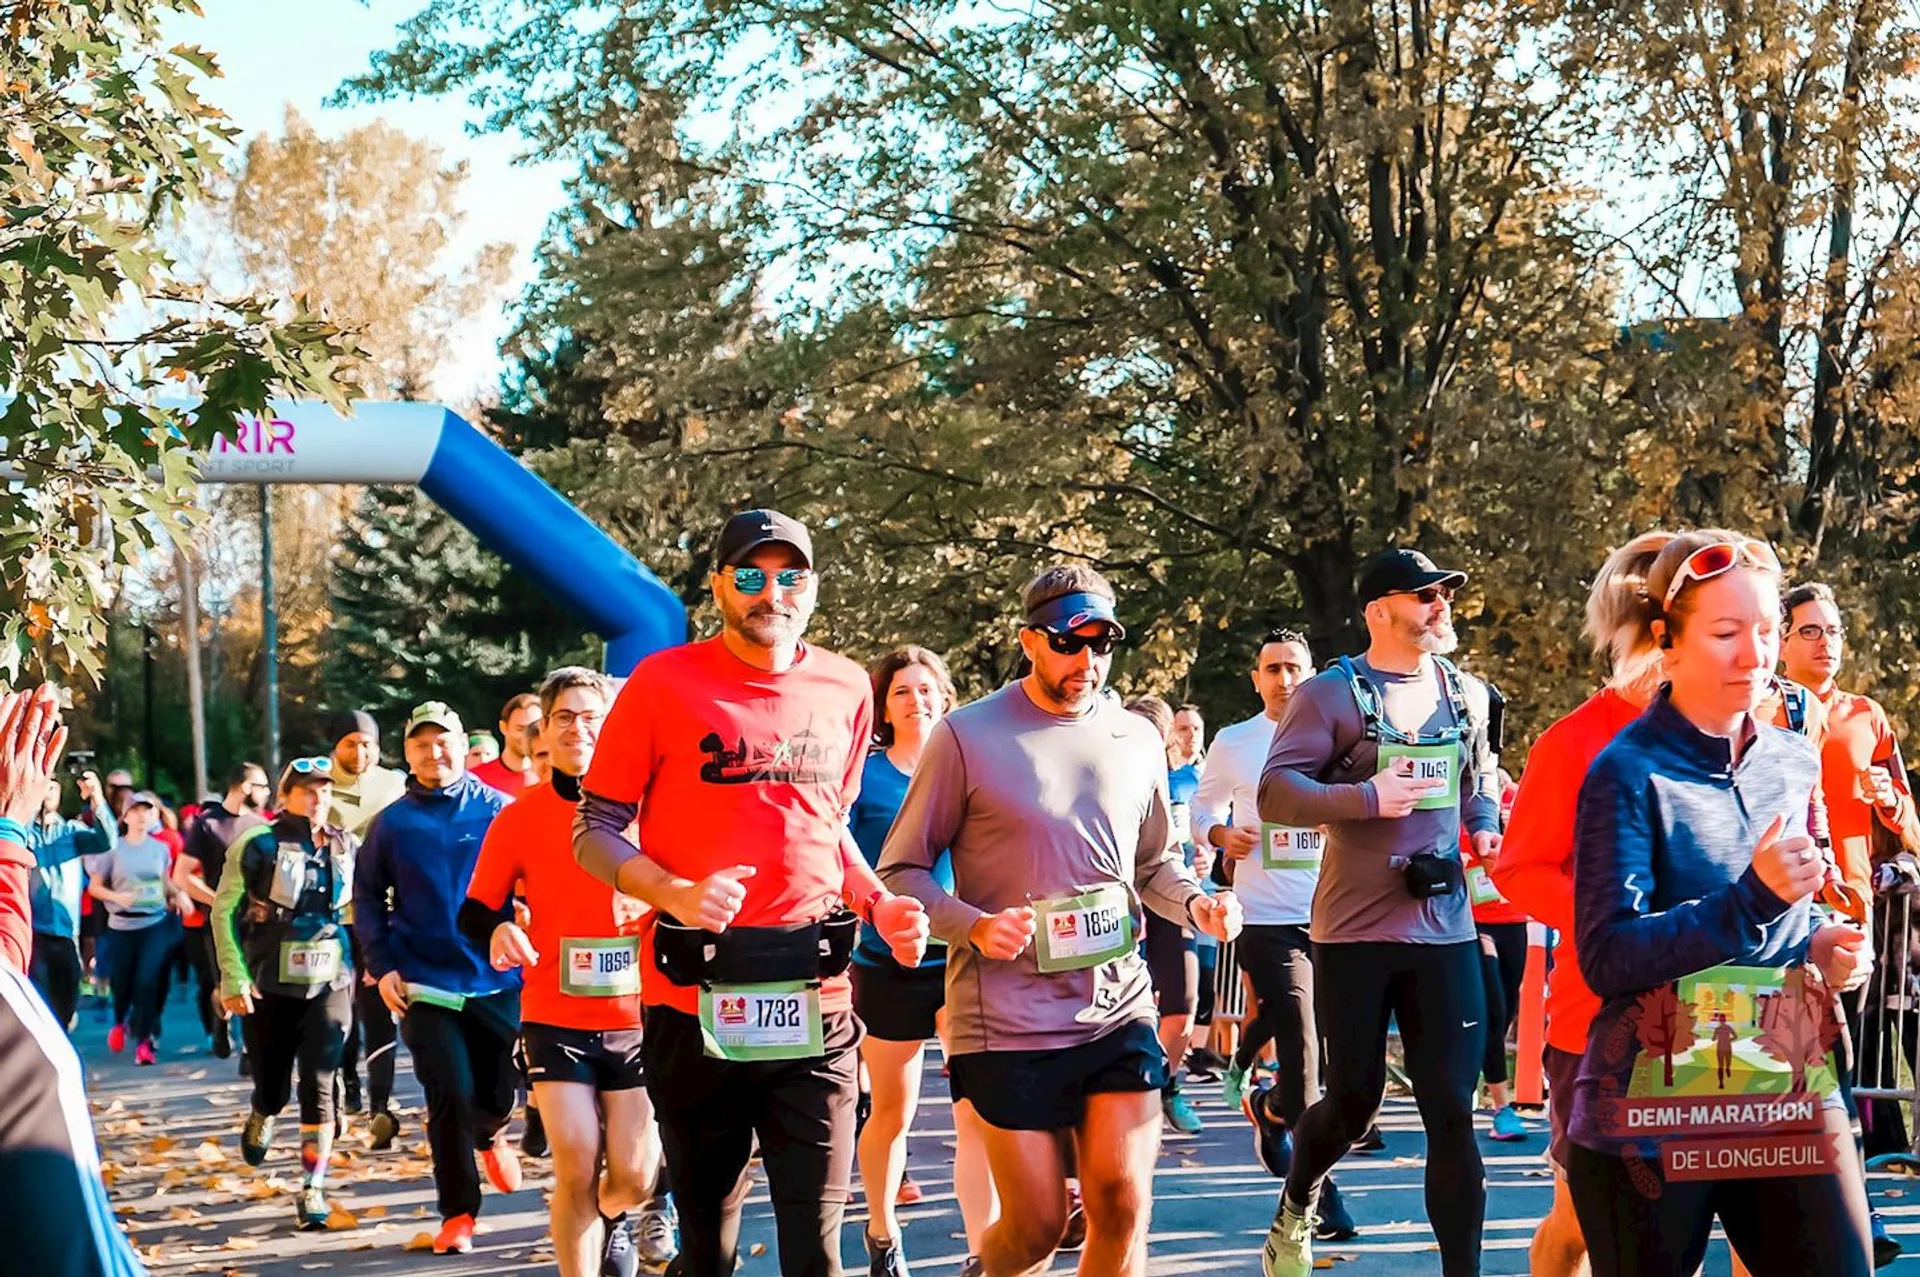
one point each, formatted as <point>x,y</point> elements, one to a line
<point>1858,736</point>
<point>732,765</point>
<point>531,843</point>
<point>1535,867</point>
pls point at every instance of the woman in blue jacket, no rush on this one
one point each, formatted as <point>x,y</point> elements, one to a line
<point>1707,1089</point>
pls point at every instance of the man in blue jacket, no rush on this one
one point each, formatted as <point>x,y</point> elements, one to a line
<point>58,846</point>
<point>459,1016</point>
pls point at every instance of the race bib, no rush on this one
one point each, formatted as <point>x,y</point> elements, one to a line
<point>149,896</point>
<point>1480,888</point>
<point>436,997</point>
<point>761,1021</point>
<point>1285,847</point>
<point>309,961</point>
<point>1077,932</point>
<point>607,968</point>
<point>1427,762</point>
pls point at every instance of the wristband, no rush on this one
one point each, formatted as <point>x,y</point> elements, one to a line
<point>865,907</point>
<point>13,831</point>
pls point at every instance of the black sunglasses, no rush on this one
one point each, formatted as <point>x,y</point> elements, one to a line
<point>1071,644</point>
<point>1431,594</point>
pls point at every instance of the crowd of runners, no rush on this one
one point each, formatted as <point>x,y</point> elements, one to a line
<point>716,913</point>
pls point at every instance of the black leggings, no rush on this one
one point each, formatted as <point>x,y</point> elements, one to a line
<point>139,961</point>
<point>55,971</point>
<point>464,1060</point>
<point>710,1113</point>
<point>1779,1227</point>
<point>371,1034</point>
<point>285,1033</point>
<point>1279,961</point>
<point>1435,993</point>
<point>1503,964</point>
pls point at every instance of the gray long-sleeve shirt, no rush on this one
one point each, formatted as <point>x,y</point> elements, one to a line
<point>1320,771</point>
<point>1038,807</point>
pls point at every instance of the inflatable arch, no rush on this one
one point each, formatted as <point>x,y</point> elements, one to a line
<point>510,509</point>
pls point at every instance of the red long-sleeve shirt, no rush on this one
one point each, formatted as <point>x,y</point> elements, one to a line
<point>16,909</point>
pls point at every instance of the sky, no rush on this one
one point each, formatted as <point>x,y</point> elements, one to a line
<point>275,52</point>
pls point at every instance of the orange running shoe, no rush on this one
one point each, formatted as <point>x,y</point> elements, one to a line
<point>455,1236</point>
<point>503,1165</point>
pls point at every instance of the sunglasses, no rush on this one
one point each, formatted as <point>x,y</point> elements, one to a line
<point>754,580</point>
<point>1430,594</point>
<point>311,767</point>
<point>1814,633</point>
<point>1718,559</point>
<point>1071,644</point>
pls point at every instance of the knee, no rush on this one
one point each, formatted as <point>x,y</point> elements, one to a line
<point>1033,1231</point>
<point>1115,1203</point>
<point>574,1179</point>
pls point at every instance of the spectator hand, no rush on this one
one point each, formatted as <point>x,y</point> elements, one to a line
<point>31,740</point>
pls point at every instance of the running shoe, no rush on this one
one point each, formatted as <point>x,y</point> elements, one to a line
<point>657,1243</point>
<point>1206,1060</point>
<point>384,1127</point>
<point>351,1098</point>
<point>1289,1248</point>
<point>1507,1125</point>
<point>1372,1142</point>
<point>246,1066</point>
<point>884,1259</point>
<point>619,1259</point>
<point>312,1209</point>
<point>117,1038</point>
<point>256,1137</point>
<point>222,1040</point>
<point>143,1054</point>
<point>1885,1248</point>
<point>909,1193</point>
<point>1180,1113</point>
<point>455,1237</point>
<point>1272,1141</point>
<point>1233,1086</point>
<point>1076,1235</point>
<point>1334,1223</point>
<point>533,1140</point>
<point>502,1164</point>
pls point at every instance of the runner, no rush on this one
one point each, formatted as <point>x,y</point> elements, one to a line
<point>1502,930</point>
<point>197,871</point>
<point>277,928</point>
<point>1172,952</point>
<point>579,956</point>
<point>1393,753</point>
<point>760,738</point>
<point>459,1016</point>
<point>60,1223</point>
<point>1187,759</point>
<point>1274,870</point>
<point>902,1007</point>
<point>58,846</point>
<point>362,789</point>
<point>1692,851</point>
<point>143,920</point>
<point>1053,800</point>
<point>512,772</point>
<point>1862,779</point>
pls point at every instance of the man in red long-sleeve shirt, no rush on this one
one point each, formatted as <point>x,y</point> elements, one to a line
<point>62,1225</point>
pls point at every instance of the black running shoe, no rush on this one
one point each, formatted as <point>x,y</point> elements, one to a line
<point>383,1127</point>
<point>1885,1249</point>
<point>1334,1223</point>
<point>1272,1141</point>
<point>884,1259</point>
<point>619,1259</point>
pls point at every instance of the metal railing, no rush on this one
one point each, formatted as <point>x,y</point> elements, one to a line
<point>1888,1034</point>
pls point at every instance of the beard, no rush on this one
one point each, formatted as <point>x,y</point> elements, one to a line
<point>767,626</point>
<point>1074,698</point>
<point>1436,639</point>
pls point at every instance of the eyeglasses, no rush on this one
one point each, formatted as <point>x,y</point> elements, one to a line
<point>1428,595</point>
<point>1718,559</point>
<point>1814,633</point>
<point>1071,644</point>
<point>754,580</point>
<point>311,767</point>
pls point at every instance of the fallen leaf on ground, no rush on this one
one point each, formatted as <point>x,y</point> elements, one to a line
<point>242,1243</point>
<point>209,1153</point>
<point>342,1219</point>
<point>419,1241</point>
<point>163,1144</point>
<point>375,1212</point>
<point>758,1248</point>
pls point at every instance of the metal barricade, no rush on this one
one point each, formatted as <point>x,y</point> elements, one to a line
<point>1887,1034</point>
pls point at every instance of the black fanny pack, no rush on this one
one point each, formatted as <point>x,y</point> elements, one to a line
<point>1428,875</point>
<point>755,955</point>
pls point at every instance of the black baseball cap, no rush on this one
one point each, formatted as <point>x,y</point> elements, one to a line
<point>750,529</point>
<point>1400,571</point>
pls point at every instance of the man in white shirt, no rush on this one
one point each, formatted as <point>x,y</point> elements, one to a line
<point>1274,870</point>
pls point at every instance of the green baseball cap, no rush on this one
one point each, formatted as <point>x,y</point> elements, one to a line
<point>435,714</point>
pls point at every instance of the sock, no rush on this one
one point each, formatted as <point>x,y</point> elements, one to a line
<point>610,1222</point>
<point>316,1150</point>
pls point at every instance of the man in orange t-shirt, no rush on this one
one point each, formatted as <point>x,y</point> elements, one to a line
<point>740,756</point>
<point>579,955</point>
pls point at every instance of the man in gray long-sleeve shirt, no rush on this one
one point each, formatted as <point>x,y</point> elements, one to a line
<point>1391,753</point>
<point>1053,802</point>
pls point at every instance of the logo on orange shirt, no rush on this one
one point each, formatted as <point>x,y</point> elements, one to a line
<point>805,758</point>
